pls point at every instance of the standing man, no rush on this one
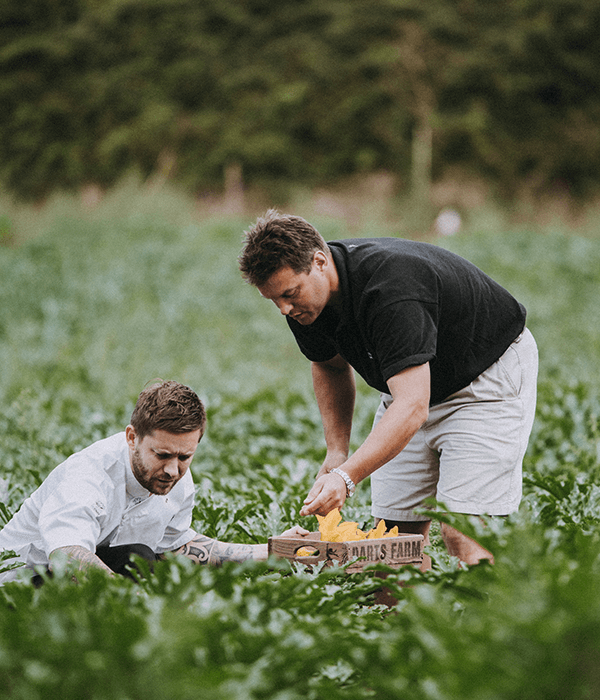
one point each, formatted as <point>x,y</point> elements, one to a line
<point>131,493</point>
<point>444,344</point>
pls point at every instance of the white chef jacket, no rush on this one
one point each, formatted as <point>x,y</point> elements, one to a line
<point>92,499</point>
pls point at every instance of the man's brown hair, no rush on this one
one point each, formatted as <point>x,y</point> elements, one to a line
<point>277,241</point>
<point>168,406</point>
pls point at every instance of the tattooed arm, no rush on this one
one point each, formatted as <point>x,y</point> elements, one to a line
<point>85,559</point>
<point>205,550</point>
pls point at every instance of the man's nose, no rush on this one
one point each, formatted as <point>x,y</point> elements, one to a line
<point>171,467</point>
<point>284,307</point>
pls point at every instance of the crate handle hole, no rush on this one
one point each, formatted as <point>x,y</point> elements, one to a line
<point>306,551</point>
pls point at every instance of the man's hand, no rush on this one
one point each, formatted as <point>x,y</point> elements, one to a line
<point>296,531</point>
<point>327,493</point>
<point>332,460</point>
<point>76,555</point>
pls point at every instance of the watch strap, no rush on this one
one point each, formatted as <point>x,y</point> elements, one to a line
<point>350,485</point>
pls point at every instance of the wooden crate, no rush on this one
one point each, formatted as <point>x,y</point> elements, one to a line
<point>392,551</point>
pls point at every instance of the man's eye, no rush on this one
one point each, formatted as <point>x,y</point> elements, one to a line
<point>181,458</point>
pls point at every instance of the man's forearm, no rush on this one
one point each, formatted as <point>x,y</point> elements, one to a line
<point>205,550</point>
<point>410,390</point>
<point>398,424</point>
<point>83,557</point>
<point>335,391</point>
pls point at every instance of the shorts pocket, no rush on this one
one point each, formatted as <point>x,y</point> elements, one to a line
<point>500,381</point>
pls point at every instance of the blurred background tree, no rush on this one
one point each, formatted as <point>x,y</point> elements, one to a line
<point>298,91</point>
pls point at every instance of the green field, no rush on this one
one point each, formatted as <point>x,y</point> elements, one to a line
<point>94,307</point>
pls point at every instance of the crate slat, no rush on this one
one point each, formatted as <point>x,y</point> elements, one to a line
<point>392,551</point>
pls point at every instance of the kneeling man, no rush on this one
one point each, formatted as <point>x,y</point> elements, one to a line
<point>129,493</point>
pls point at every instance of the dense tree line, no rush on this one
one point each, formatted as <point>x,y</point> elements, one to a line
<point>298,90</point>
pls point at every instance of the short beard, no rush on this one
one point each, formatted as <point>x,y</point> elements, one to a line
<point>154,486</point>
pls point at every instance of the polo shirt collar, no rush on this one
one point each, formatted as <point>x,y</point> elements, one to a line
<point>345,311</point>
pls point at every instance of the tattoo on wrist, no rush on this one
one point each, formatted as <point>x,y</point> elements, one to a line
<point>205,550</point>
<point>198,550</point>
<point>83,557</point>
<point>227,551</point>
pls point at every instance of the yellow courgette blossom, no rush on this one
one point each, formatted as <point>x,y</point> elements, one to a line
<point>333,530</point>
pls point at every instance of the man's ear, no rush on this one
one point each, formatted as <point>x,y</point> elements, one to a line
<point>130,436</point>
<point>320,259</point>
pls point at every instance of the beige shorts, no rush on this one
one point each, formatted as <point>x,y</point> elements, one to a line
<point>469,453</point>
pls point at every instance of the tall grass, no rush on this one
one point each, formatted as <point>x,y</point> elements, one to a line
<point>95,305</point>
<point>556,275</point>
<point>101,303</point>
<point>103,306</point>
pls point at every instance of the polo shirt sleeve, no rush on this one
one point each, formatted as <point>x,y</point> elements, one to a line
<point>404,334</point>
<point>73,514</point>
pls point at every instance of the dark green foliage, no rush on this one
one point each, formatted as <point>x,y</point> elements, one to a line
<point>99,88</point>
<point>520,98</point>
<point>93,310</point>
<point>565,450</point>
<point>301,92</point>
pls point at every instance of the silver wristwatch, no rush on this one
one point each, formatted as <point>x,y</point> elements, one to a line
<point>350,485</point>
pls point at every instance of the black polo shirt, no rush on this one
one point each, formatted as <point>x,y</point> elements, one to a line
<point>406,303</point>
